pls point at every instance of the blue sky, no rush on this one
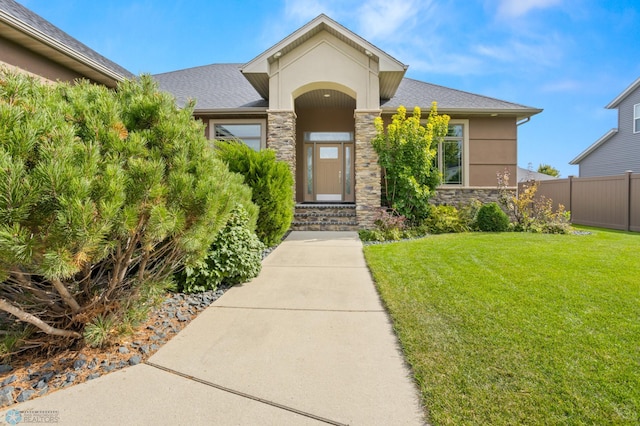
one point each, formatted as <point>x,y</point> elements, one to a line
<point>569,57</point>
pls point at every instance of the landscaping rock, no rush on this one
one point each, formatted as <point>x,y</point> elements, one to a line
<point>79,363</point>
<point>93,376</point>
<point>5,368</point>
<point>70,378</point>
<point>123,350</point>
<point>9,380</point>
<point>47,376</point>
<point>25,395</point>
<point>6,395</point>
<point>135,360</point>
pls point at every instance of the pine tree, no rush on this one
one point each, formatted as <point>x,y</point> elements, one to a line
<point>103,195</point>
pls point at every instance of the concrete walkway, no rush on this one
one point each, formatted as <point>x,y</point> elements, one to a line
<point>307,342</point>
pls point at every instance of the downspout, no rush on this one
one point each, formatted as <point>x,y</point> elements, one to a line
<point>518,123</point>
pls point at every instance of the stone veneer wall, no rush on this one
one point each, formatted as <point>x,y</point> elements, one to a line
<point>460,196</point>
<point>281,137</point>
<point>367,170</point>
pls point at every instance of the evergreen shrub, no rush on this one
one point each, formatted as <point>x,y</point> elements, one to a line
<point>491,218</point>
<point>103,195</point>
<point>234,257</point>
<point>271,182</point>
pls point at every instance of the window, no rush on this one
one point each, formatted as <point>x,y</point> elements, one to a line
<point>450,158</point>
<point>636,118</point>
<point>251,132</point>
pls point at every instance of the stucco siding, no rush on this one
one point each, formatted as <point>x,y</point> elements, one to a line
<point>493,146</point>
<point>622,151</point>
<point>17,57</point>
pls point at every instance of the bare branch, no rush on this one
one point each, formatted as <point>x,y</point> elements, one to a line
<point>66,296</point>
<point>27,317</point>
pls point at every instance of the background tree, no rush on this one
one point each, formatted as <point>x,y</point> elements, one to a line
<point>103,194</point>
<point>407,152</point>
<point>548,170</point>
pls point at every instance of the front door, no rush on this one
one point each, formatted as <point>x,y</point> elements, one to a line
<point>329,167</point>
<point>329,172</point>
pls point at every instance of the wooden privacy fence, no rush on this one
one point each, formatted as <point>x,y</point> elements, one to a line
<point>606,201</point>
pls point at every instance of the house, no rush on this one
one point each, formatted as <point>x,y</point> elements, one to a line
<point>313,98</point>
<point>33,45</point>
<point>618,151</point>
<point>526,175</point>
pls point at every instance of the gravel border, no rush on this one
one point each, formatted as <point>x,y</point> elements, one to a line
<point>21,380</point>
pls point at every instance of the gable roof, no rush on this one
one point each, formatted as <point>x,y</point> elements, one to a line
<point>391,71</point>
<point>593,147</point>
<point>632,88</point>
<point>414,92</point>
<point>222,88</point>
<point>19,24</point>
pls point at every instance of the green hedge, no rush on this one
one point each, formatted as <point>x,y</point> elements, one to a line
<point>272,185</point>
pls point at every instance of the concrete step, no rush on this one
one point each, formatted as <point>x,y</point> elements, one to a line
<point>325,217</point>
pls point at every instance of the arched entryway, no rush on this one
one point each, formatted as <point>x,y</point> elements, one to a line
<point>325,147</point>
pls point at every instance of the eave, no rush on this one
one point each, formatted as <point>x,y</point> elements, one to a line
<point>38,42</point>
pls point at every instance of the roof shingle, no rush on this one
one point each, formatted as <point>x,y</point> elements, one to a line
<point>38,23</point>
<point>223,86</point>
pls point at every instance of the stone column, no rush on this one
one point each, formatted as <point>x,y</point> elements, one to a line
<point>367,170</point>
<point>281,137</point>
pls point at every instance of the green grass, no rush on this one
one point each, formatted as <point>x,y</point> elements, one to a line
<point>516,328</point>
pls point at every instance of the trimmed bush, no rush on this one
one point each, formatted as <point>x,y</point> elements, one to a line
<point>235,257</point>
<point>444,219</point>
<point>491,218</point>
<point>272,185</point>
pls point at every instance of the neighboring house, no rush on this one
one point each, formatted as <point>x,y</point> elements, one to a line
<point>313,98</point>
<point>525,175</point>
<point>33,45</point>
<point>618,151</point>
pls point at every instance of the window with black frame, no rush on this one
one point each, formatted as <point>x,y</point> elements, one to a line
<point>249,133</point>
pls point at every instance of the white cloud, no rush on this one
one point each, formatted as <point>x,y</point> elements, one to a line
<point>562,86</point>
<point>518,8</point>
<point>379,19</point>
<point>541,51</point>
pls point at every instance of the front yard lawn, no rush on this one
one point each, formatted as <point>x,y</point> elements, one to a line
<point>516,328</point>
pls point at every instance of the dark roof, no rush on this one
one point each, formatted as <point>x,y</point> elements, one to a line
<point>43,26</point>
<point>414,92</point>
<point>220,87</point>
<point>214,87</point>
